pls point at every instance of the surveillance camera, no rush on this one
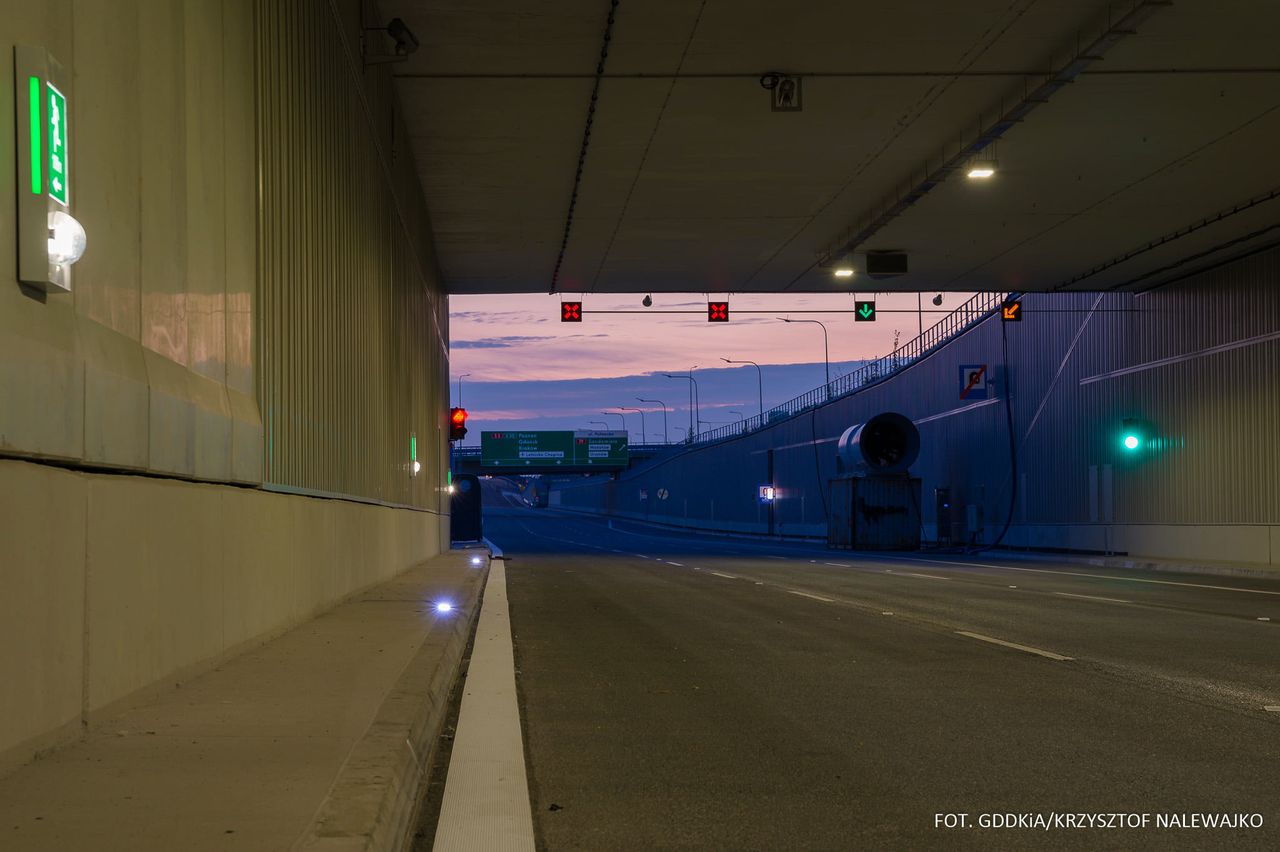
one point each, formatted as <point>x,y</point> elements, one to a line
<point>406,41</point>
<point>937,300</point>
<point>647,301</point>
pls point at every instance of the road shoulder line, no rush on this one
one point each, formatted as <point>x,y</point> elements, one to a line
<point>486,794</point>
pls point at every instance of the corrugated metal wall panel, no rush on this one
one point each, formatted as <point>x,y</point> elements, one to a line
<point>352,362</point>
<point>1214,420</point>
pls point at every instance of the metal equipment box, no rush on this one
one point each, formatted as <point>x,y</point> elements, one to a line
<point>874,513</point>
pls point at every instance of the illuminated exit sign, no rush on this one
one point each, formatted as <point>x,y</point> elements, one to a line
<point>42,135</point>
<point>57,116</point>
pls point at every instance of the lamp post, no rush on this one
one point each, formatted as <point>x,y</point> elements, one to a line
<point>693,404</point>
<point>621,417</point>
<point>460,378</point>
<point>759,382</point>
<point>666,433</point>
<point>826,357</point>
<point>641,413</point>
<point>601,422</point>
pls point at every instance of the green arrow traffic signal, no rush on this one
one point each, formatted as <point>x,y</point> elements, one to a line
<point>864,311</point>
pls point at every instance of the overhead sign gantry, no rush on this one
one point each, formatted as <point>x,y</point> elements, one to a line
<point>553,450</point>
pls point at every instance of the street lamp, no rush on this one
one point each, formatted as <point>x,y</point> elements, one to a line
<point>621,417</point>
<point>601,422</point>
<point>641,413</point>
<point>826,357</point>
<point>693,400</point>
<point>666,433</point>
<point>759,382</point>
<point>460,378</point>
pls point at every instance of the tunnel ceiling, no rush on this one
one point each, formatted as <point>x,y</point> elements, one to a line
<point>1159,157</point>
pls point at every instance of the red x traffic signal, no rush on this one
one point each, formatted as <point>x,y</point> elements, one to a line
<point>570,312</point>
<point>717,311</point>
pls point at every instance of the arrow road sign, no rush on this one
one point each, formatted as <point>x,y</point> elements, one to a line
<point>864,311</point>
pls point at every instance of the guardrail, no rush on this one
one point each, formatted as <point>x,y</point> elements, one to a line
<point>957,322</point>
<point>474,452</point>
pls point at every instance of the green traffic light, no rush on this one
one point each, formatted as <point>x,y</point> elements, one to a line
<point>1131,442</point>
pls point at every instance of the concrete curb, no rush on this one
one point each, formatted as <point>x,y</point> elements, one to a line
<point>1124,563</point>
<point>374,801</point>
<point>1118,563</point>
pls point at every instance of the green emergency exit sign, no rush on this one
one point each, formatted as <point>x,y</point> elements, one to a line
<point>57,116</point>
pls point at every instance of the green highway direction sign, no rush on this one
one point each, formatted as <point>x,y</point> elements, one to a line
<point>542,450</point>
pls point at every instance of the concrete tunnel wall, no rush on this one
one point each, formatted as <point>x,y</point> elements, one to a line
<point>1198,360</point>
<point>258,306</point>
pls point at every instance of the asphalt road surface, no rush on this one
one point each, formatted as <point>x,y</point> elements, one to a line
<point>707,693</point>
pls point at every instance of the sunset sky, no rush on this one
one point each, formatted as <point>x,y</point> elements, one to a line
<point>528,370</point>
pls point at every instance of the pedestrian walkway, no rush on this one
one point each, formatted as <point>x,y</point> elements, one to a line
<point>315,740</point>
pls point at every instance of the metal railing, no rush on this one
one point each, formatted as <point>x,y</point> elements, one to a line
<point>958,321</point>
<point>474,452</point>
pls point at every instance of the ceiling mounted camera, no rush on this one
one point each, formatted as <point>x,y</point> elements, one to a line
<point>647,301</point>
<point>406,41</point>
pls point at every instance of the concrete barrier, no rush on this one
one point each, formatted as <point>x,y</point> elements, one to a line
<point>114,587</point>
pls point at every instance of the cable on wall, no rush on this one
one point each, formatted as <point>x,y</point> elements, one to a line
<point>586,142</point>
<point>1013,445</point>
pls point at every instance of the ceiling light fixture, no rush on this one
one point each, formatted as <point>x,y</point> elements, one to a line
<point>982,168</point>
<point>844,272</point>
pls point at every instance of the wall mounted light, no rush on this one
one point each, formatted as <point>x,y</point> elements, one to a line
<point>67,239</point>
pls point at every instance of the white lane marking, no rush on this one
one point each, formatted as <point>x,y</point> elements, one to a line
<point>1272,708</point>
<point>1091,597</point>
<point>758,583</point>
<point>726,576</point>
<point>677,564</point>
<point>1264,618</point>
<point>486,791</point>
<point>1104,577</point>
<point>922,576</point>
<point>771,556</point>
<point>837,564</point>
<point>1013,587</point>
<point>1027,648</point>
<point>886,613</point>
<point>814,597</point>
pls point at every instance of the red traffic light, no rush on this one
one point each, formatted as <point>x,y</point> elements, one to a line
<point>570,312</point>
<point>717,311</point>
<point>457,424</point>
